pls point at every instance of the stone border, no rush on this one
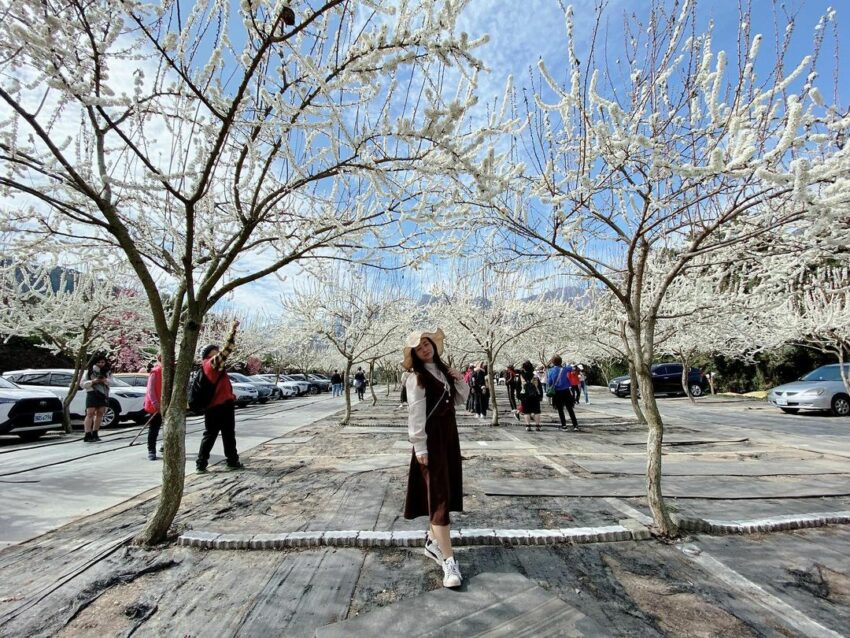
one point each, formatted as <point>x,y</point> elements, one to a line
<point>368,538</point>
<point>781,523</point>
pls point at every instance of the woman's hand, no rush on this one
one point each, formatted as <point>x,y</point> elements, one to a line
<point>457,376</point>
<point>422,458</point>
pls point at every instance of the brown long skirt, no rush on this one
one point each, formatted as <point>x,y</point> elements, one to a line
<point>437,489</point>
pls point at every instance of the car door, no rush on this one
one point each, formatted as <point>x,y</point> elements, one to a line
<point>673,378</point>
<point>658,378</point>
<point>60,382</point>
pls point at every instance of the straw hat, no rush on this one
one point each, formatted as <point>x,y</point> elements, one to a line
<point>413,339</point>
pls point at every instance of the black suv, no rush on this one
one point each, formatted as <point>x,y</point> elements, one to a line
<point>666,379</point>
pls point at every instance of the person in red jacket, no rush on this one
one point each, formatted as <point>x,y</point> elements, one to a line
<point>220,415</point>
<point>153,396</point>
<point>575,382</point>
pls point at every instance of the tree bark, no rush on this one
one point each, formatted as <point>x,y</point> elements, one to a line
<point>346,384</point>
<point>79,362</point>
<point>174,437</point>
<point>655,436</point>
<point>371,382</point>
<point>686,367</point>
<point>633,394</point>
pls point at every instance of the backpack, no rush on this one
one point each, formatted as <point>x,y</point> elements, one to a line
<point>201,391</point>
<point>530,390</point>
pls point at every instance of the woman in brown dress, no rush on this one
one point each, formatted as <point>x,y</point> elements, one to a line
<point>435,482</point>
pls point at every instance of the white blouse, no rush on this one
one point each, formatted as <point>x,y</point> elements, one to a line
<point>416,406</point>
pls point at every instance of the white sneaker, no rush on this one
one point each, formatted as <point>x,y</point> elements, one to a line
<point>432,549</point>
<point>451,573</point>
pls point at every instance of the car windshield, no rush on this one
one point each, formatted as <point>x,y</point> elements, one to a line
<point>298,377</point>
<point>116,382</point>
<point>826,373</point>
<point>8,385</point>
<point>239,378</point>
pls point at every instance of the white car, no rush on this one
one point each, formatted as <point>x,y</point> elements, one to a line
<point>288,388</point>
<point>303,386</point>
<point>246,393</point>
<point>125,401</point>
<point>821,389</point>
<point>28,413</point>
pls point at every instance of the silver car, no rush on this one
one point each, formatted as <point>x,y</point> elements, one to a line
<point>821,389</point>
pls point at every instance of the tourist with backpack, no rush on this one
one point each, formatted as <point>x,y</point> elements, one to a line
<point>213,394</point>
<point>560,389</point>
<point>360,384</point>
<point>530,394</point>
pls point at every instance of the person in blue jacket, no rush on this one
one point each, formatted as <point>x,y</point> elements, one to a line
<point>558,379</point>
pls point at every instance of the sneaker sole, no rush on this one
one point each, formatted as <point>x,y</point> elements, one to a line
<point>451,583</point>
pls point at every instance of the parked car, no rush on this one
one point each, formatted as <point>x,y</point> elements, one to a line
<point>135,379</point>
<point>666,379</point>
<point>303,385</point>
<point>245,391</point>
<point>314,387</point>
<point>28,413</point>
<point>820,389</point>
<point>265,390</point>
<point>125,401</point>
<point>324,383</point>
<point>287,388</point>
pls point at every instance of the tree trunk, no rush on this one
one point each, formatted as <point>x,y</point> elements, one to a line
<point>371,382</point>
<point>174,437</point>
<point>633,394</point>
<point>79,364</point>
<point>686,367</point>
<point>346,384</point>
<point>649,407</point>
<point>492,386</point>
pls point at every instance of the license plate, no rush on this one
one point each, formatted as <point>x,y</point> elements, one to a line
<point>781,401</point>
<point>42,417</point>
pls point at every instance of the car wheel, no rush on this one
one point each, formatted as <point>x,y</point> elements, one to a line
<point>265,400</point>
<point>841,405</point>
<point>29,437</point>
<point>113,410</point>
<point>790,410</point>
<point>314,390</point>
<point>696,390</point>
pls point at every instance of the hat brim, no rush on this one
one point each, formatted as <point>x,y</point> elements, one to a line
<point>437,336</point>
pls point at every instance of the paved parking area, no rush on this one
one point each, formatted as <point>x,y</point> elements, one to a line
<point>84,579</point>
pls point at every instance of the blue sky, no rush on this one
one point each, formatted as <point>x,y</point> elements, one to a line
<point>520,33</point>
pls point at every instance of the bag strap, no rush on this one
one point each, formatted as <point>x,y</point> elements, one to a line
<point>558,378</point>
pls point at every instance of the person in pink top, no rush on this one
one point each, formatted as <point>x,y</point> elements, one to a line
<point>153,397</point>
<point>220,414</point>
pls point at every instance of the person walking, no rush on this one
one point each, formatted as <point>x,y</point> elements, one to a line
<point>360,383</point>
<point>510,385</point>
<point>403,394</point>
<point>470,399</point>
<point>336,384</point>
<point>153,397</point>
<point>435,480</point>
<point>482,392</point>
<point>563,398</point>
<point>220,414</point>
<point>582,380</point>
<point>96,382</point>
<point>530,394</point>
<point>572,375</point>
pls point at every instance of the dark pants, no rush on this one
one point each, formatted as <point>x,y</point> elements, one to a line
<point>512,397</point>
<point>481,401</point>
<point>153,431</point>
<point>221,418</point>
<point>576,393</point>
<point>564,399</point>
<point>470,400</point>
